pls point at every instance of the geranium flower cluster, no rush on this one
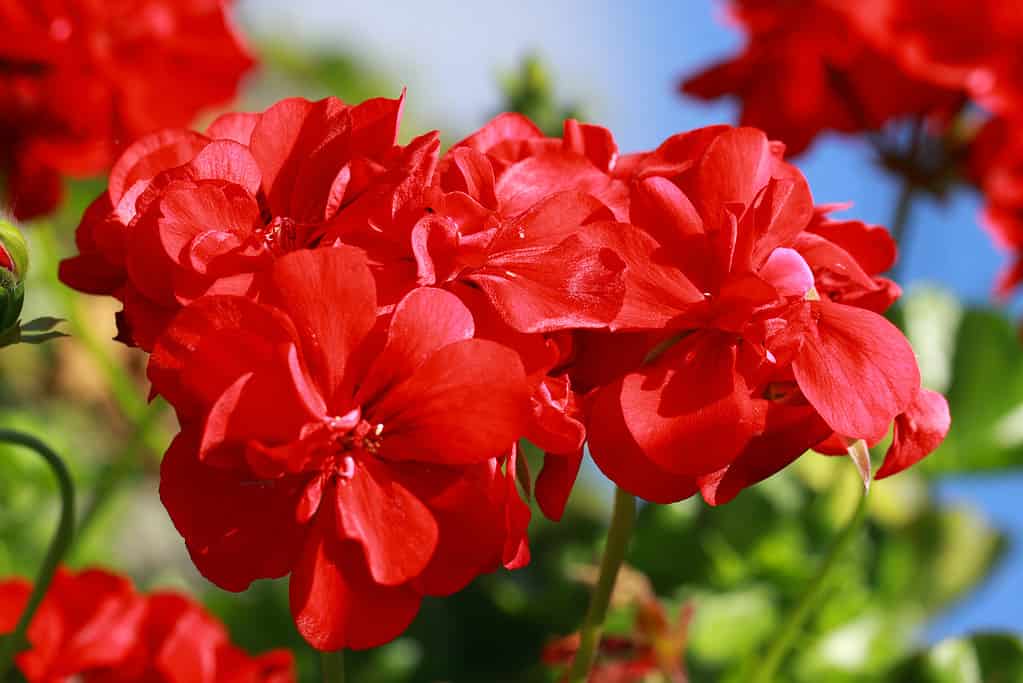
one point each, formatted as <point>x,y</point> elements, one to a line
<point>79,80</point>
<point>853,67</point>
<point>356,334</point>
<point>809,67</point>
<point>93,626</point>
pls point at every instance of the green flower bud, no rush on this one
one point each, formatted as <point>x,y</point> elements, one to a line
<point>13,266</point>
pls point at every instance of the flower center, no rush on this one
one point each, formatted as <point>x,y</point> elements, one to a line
<point>351,433</point>
<point>281,235</point>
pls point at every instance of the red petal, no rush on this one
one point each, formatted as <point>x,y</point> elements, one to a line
<point>734,168</point>
<point>871,245</point>
<point>621,459</point>
<point>657,290</point>
<point>515,554</point>
<point>918,431</point>
<point>237,529</point>
<point>856,369</point>
<point>235,126</point>
<point>529,181</point>
<point>467,403</point>
<point>330,295</point>
<point>568,286</point>
<point>690,411</point>
<point>226,161</point>
<point>555,482</point>
<point>94,270</point>
<point>790,432</point>
<point>469,506</point>
<point>398,533</point>
<point>212,343</point>
<point>425,321</point>
<point>151,154</point>
<point>334,600</point>
<point>507,126</point>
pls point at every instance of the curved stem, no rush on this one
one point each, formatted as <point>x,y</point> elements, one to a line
<point>622,519</point>
<point>10,643</point>
<point>767,667</point>
<point>332,666</point>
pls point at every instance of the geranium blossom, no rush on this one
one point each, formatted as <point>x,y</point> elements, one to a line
<point>80,80</point>
<point>93,626</point>
<point>373,465</point>
<point>188,215</point>
<point>356,335</point>
<point>731,389</point>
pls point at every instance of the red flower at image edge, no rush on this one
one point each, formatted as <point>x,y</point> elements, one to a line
<point>80,80</point>
<point>969,45</point>
<point>93,626</point>
<point>366,462</point>
<point>814,66</point>
<point>996,167</point>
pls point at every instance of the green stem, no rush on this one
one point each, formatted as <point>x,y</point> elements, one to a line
<point>790,630</point>
<point>13,642</point>
<point>622,519</point>
<point>907,193</point>
<point>900,222</point>
<point>332,666</point>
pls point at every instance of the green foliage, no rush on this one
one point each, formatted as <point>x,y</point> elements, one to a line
<point>983,658</point>
<point>529,90</point>
<point>974,356</point>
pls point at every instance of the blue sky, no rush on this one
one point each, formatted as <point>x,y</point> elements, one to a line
<point>624,61</point>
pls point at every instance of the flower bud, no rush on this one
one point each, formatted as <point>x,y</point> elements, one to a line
<point>13,266</point>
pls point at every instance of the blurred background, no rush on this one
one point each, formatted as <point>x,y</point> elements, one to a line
<point>943,556</point>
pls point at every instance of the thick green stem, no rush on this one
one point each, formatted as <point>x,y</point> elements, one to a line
<point>11,643</point>
<point>332,666</point>
<point>768,665</point>
<point>622,519</point>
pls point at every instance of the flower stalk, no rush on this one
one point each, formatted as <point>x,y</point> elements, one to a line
<point>13,642</point>
<point>767,667</point>
<point>332,666</point>
<point>623,518</point>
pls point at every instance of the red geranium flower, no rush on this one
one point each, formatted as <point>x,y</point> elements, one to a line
<point>80,80</point>
<point>187,215</point>
<point>810,67</point>
<point>969,45</point>
<point>93,626</point>
<point>366,463</point>
<point>996,167</point>
<point>728,390</point>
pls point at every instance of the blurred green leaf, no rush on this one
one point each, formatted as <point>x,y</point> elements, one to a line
<point>983,658</point>
<point>728,626</point>
<point>529,90</point>
<point>975,357</point>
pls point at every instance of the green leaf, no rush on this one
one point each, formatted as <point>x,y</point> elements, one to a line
<point>44,324</point>
<point>975,358</point>
<point>982,658</point>
<point>728,626</point>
